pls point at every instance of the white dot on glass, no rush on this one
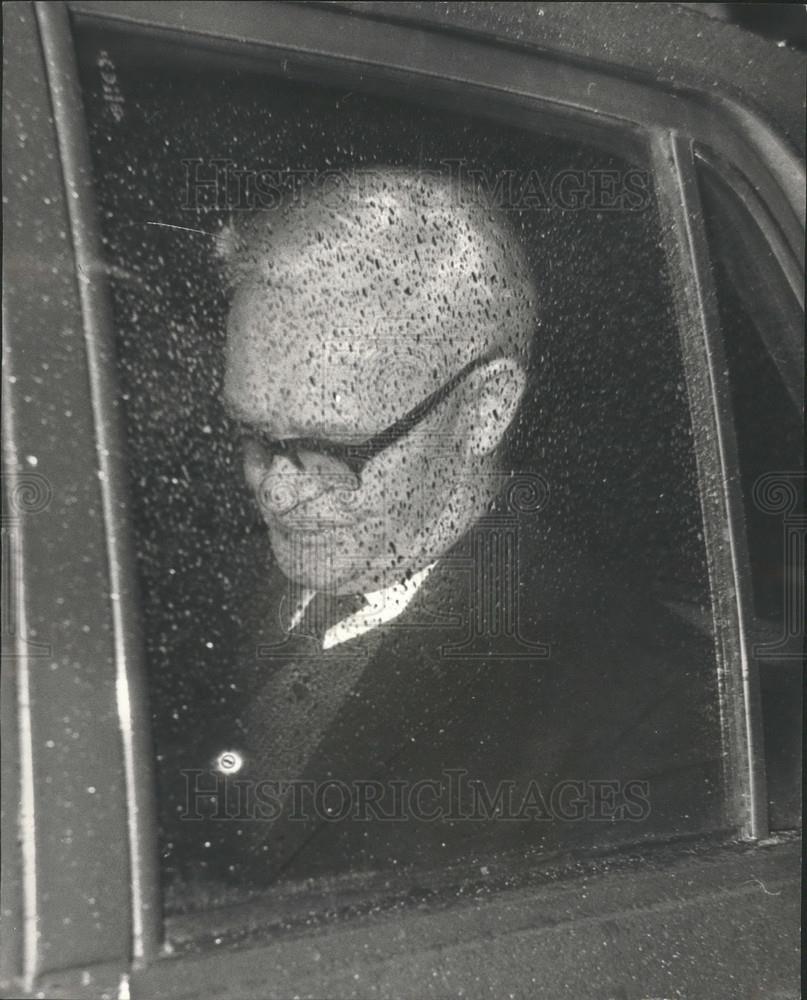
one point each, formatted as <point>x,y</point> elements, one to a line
<point>229,762</point>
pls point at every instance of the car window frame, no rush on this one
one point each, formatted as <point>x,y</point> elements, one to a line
<point>584,101</point>
<point>776,644</point>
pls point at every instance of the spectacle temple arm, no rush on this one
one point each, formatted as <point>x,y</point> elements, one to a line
<point>356,455</point>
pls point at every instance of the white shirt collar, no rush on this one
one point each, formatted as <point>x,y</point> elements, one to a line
<point>382,606</point>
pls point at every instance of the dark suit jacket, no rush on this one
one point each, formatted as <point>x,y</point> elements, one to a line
<point>591,680</point>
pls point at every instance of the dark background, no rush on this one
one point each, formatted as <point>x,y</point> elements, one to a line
<point>777,21</point>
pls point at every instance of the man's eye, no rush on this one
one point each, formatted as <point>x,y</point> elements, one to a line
<point>247,435</point>
<point>256,446</point>
<point>252,442</point>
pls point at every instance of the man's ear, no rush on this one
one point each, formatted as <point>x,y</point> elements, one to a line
<point>498,388</point>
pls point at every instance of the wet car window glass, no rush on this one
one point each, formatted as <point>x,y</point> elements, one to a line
<point>762,329</point>
<point>493,639</point>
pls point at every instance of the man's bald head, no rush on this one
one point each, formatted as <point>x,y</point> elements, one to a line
<point>389,258</point>
<point>353,303</point>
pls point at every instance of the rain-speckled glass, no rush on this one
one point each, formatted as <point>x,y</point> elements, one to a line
<point>490,637</point>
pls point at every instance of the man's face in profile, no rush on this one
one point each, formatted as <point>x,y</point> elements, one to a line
<point>330,522</point>
<point>354,365</point>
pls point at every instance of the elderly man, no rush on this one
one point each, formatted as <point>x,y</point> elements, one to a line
<point>377,345</point>
<point>406,627</point>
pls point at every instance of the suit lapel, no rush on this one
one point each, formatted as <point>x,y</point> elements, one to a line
<point>374,686</point>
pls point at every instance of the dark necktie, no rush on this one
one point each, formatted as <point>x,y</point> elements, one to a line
<point>326,610</point>
<point>301,698</point>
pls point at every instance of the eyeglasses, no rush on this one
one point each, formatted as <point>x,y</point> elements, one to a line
<point>356,456</point>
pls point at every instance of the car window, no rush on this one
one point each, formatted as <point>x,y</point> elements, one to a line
<point>762,332</point>
<point>540,676</point>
